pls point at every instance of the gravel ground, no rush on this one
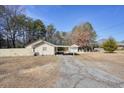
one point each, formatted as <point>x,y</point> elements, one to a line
<point>76,74</point>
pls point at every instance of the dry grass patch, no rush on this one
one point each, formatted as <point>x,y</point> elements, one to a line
<point>39,71</point>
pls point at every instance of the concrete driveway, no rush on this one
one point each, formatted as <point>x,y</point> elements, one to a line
<point>75,74</point>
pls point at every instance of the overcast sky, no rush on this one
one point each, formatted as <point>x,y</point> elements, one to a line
<point>108,21</point>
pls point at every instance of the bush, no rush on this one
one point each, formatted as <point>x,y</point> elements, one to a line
<point>110,45</point>
<point>36,54</point>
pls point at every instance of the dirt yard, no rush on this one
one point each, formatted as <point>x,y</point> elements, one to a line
<point>40,71</point>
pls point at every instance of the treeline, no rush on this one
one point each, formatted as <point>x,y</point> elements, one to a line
<point>19,30</point>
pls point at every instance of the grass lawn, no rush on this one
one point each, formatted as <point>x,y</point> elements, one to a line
<point>34,71</point>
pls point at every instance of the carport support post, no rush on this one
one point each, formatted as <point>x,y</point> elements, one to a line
<point>73,52</point>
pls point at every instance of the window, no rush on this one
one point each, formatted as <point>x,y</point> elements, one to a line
<point>44,48</point>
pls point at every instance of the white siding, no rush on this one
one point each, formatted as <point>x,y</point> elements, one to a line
<point>45,49</point>
<point>73,49</point>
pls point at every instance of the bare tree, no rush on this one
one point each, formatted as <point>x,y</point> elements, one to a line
<point>83,35</point>
<point>9,24</point>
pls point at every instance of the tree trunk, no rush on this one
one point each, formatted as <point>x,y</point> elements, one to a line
<point>23,39</point>
<point>13,42</point>
<point>8,44</point>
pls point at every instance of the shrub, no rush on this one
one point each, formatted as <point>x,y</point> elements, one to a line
<point>36,54</point>
<point>110,45</point>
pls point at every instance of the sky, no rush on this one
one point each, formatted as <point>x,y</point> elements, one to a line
<point>107,21</point>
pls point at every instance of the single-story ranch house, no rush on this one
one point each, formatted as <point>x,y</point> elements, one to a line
<point>41,47</point>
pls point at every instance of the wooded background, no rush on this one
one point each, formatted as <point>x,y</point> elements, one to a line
<point>18,30</point>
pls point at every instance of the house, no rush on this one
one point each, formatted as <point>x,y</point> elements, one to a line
<point>41,47</point>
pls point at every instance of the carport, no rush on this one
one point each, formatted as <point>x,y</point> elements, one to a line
<point>66,49</point>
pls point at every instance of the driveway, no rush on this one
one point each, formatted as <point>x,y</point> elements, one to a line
<point>76,74</point>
